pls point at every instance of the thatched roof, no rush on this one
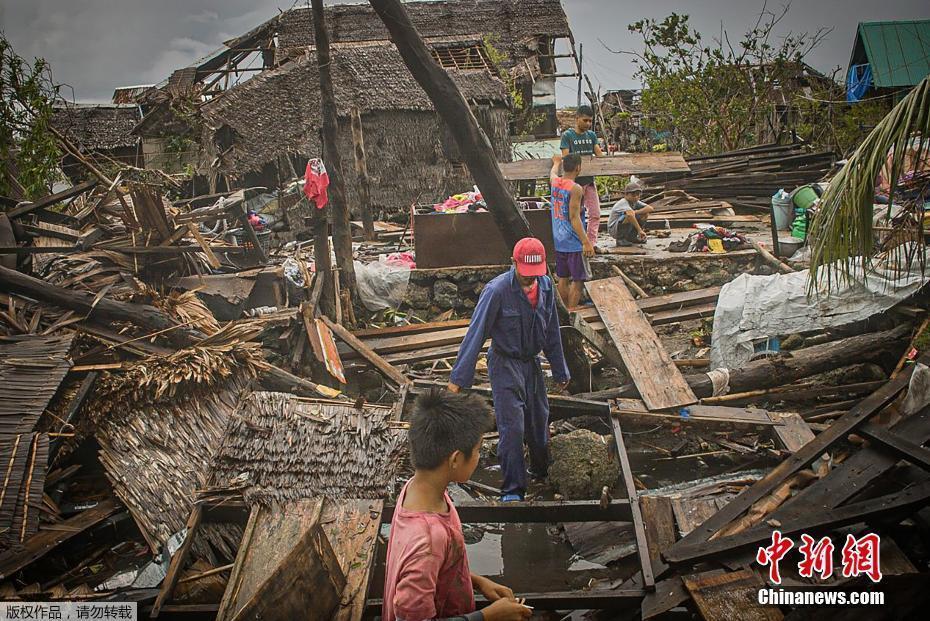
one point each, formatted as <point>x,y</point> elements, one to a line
<point>160,421</point>
<point>95,127</point>
<point>279,447</point>
<point>278,111</point>
<point>513,23</point>
<point>31,370</point>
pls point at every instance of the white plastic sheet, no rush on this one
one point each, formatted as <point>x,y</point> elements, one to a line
<point>381,285</point>
<point>756,307</point>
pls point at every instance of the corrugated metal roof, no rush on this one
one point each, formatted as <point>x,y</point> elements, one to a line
<point>898,52</point>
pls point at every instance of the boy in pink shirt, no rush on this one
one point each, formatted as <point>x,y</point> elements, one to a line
<point>427,575</point>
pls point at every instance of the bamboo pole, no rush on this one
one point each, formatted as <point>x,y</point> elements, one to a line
<point>630,282</point>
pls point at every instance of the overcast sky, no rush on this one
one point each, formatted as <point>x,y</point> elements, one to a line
<point>96,45</point>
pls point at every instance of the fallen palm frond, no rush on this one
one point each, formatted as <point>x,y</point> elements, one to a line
<point>843,230</point>
<point>197,369</point>
<point>186,307</point>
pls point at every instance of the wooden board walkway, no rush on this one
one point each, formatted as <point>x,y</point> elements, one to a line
<point>616,165</point>
<point>660,383</point>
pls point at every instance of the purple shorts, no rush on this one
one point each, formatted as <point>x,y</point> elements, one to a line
<point>573,265</point>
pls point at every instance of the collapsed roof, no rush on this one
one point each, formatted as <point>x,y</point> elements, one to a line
<point>276,112</point>
<point>98,127</point>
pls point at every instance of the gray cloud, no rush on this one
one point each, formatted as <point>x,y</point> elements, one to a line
<point>97,45</point>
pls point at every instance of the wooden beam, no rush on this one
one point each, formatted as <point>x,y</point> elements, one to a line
<point>361,172</point>
<point>900,446</point>
<point>540,511</point>
<point>332,156</point>
<point>51,199</point>
<point>639,529</point>
<point>177,561</point>
<point>452,108</point>
<point>367,353</point>
<point>909,498</point>
<point>811,451</point>
<point>659,381</point>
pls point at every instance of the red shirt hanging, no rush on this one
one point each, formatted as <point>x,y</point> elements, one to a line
<point>316,180</point>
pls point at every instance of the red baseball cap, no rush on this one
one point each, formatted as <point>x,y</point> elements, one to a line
<point>530,256</point>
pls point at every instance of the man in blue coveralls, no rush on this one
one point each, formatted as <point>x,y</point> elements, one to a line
<point>517,311</point>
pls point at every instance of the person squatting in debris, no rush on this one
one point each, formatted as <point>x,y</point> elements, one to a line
<point>426,572</point>
<point>572,246</point>
<point>517,311</point>
<point>628,217</point>
<point>581,140</point>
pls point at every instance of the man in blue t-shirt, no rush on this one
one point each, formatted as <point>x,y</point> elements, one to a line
<point>582,141</point>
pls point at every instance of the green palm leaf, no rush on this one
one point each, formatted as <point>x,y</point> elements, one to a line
<point>842,231</point>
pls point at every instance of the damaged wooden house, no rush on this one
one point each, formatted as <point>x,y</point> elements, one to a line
<point>253,111</point>
<point>100,130</point>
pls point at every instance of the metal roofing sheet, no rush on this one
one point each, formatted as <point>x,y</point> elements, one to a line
<point>898,52</point>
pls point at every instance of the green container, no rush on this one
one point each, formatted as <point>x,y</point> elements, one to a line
<point>803,197</point>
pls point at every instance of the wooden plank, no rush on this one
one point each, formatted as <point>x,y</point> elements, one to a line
<point>428,353</point>
<point>691,512</point>
<point>900,446</point>
<point>177,561</point>
<point>909,499</point>
<point>51,199</point>
<point>352,528</point>
<point>730,597</point>
<point>367,353</point>
<point>642,545</point>
<point>284,563</point>
<point>413,328</point>
<point>794,433</point>
<point>659,381</point>
<point>45,541</point>
<point>659,521</point>
<point>679,300</point>
<point>808,453</point>
<point>635,410</point>
<point>207,251</point>
<point>624,164</point>
<point>662,318</point>
<point>656,303</point>
<point>415,342</point>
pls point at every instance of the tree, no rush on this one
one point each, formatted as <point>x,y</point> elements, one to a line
<point>713,96</point>
<point>842,231</point>
<point>26,97</point>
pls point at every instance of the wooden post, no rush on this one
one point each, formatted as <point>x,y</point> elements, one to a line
<point>342,233</point>
<point>322,260</point>
<point>361,169</point>
<point>452,108</point>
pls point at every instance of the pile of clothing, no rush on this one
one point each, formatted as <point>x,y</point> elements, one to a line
<point>706,240</point>
<point>460,203</point>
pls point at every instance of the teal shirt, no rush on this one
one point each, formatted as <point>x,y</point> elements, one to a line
<point>582,144</point>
